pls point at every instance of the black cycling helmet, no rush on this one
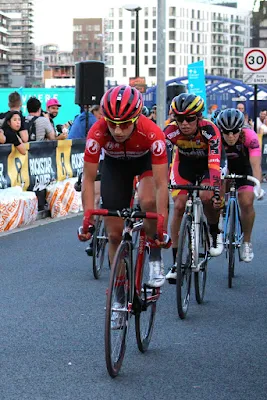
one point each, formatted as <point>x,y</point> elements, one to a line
<point>230,120</point>
<point>214,116</point>
<point>187,104</point>
<point>145,111</point>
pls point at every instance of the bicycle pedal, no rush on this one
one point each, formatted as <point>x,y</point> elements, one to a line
<point>172,281</point>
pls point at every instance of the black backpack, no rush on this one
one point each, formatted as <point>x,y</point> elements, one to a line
<point>31,128</point>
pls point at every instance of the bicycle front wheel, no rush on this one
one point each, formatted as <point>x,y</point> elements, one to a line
<point>184,271</point>
<point>231,249</point>
<point>145,309</point>
<point>117,314</point>
<point>99,247</point>
<point>200,277</point>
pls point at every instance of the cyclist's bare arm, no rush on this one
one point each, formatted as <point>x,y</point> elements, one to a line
<point>255,163</point>
<point>160,175</point>
<point>88,185</point>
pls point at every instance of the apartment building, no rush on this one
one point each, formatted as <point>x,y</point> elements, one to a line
<point>195,31</point>
<point>87,39</point>
<point>4,51</point>
<point>21,44</point>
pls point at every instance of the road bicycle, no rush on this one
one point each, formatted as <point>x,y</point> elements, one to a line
<point>193,248</point>
<point>232,230</point>
<point>128,292</point>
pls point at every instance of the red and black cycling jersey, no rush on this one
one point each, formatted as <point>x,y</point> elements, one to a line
<point>204,144</point>
<point>146,137</point>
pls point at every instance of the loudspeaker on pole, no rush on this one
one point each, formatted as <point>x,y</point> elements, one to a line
<point>89,82</point>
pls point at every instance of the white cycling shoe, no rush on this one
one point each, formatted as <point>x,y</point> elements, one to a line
<point>156,274</point>
<point>247,254</point>
<point>172,274</point>
<point>216,244</point>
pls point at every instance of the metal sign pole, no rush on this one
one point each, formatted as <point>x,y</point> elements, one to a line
<point>255,107</point>
<point>161,73</point>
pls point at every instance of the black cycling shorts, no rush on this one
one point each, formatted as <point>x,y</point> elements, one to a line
<point>117,177</point>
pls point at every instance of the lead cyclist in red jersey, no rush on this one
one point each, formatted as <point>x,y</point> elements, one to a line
<point>198,153</point>
<point>133,145</point>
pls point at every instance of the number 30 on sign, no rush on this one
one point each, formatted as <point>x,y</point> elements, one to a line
<point>255,60</point>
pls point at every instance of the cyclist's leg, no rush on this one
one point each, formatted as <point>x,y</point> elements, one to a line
<point>247,217</point>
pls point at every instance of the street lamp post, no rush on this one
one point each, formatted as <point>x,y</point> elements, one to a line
<point>136,9</point>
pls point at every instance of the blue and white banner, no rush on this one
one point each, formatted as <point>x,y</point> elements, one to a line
<point>196,81</point>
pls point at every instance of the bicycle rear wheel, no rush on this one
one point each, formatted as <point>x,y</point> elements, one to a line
<point>231,249</point>
<point>99,247</point>
<point>200,277</point>
<point>184,272</point>
<point>145,308</point>
<point>117,314</point>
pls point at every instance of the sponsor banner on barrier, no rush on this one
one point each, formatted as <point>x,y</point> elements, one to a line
<point>17,168</point>
<point>77,154</point>
<point>44,162</point>
<point>63,157</point>
<point>4,178</point>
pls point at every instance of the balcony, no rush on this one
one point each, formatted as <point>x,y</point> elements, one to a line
<point>237,65</point>
<point>237,21</point>
<point>237,43</point>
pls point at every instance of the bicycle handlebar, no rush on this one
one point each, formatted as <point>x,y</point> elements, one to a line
<point>247,177</point>
<point>126,213</point>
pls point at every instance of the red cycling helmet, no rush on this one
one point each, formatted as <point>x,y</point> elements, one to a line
<point>122,103</point>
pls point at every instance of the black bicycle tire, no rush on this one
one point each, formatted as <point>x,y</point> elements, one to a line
<point>231,250</point>
<point>98,255</point>
<point>114,368</point>
<point>144,340</point>
<point>200,289</point>
<point>184,230</point>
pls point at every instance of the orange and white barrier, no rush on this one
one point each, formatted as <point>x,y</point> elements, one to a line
<point>63,199</point>
<point>17,208</point>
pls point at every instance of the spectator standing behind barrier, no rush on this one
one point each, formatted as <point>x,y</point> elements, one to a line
<point>263,128</point>
<point>96,111</point>
<point>11,128</point>
<point>43,128</point>
<point>260,119</point>
<point>78,128</point>
<point>14,104</point>
<point>52,107</point>
<point>153,115</point>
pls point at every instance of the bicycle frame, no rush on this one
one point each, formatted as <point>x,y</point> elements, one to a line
<point>238,227</point>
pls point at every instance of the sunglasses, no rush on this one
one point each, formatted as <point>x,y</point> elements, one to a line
<point>234,132</point>
<point>122,124</point>
<point>182,118</point>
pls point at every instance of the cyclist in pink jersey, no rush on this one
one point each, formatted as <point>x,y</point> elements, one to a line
<point>244,158</point>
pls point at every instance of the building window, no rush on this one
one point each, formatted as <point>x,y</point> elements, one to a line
<point>154,37</point>
<point>154,23</point>
<point>172,48</point>
<point>124,72</point>
<point>120,36</point>
<point>146,60</point>
<point>154,60</point>
<point>172,60</point>
<point>120,48</point>
<point>120,12</point>
<point>77,28</point>
<point>120,24</point>
<point>154,11</point>
<point>132,48</point>
<point>111,24</point>
<point>172,11</point>
<point>193,13</point>
<point>111,12</point>
<point>151,71</point>
<point>172,35</point>
<point>154,48</point>
<point>146,48</point>
<point>132,24</point>
<point>146,23</point>
<point>124,60</point>
<point>132,36</point>
<point>146,11</point>
<point>132,60</point>
<point>171,71</point>
<point>146,35</point>
<point>172,23</point>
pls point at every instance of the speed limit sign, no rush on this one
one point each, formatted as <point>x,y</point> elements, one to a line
<point>255,66</point>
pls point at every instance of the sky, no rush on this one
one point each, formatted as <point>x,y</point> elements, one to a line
<point>53,18</point>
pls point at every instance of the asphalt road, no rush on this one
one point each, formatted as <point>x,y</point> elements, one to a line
<point>52,327</point>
